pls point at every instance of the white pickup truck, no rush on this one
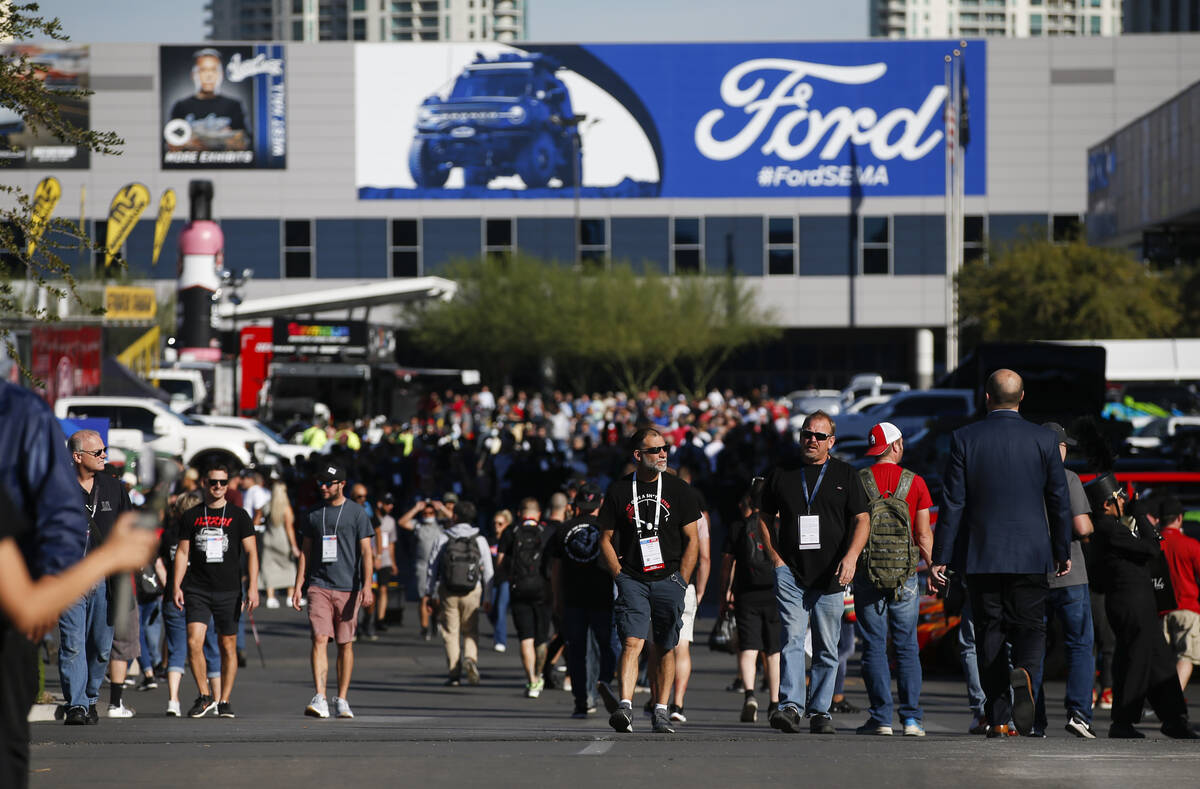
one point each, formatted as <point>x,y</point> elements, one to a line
<point>165,431</point>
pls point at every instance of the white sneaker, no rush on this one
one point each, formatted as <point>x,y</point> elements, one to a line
<point>499,647</point>
<point>173,709</point>
<point>272,602</point>
<point>342,708</point>
<point>120,711</point>
<point>303,602</point>
<point>318,707</point>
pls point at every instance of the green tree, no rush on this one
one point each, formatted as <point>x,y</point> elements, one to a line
<point>1037,290</point>
<point>24,90</point>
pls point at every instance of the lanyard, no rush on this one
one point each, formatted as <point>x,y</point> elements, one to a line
<point>637,520</point>
<point>223,508</point>
<point>336,520</point>
<point>808,500</point>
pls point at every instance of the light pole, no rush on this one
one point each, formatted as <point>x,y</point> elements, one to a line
<point>235,282</point>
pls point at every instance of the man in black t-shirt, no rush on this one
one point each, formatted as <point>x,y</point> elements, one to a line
<point>650,546</point>
<point>583,599</point>
<point>823,526</point>
<point>520,552</point>
<point>748,584</point>
<point>215,535</point>
<point>216,122</point>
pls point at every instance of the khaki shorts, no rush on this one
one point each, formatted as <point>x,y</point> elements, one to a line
<point>1182,629</point>
<point>333,614</point>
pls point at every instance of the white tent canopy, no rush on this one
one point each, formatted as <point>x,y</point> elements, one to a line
<point>368,294</point>
<point>1149,360</point>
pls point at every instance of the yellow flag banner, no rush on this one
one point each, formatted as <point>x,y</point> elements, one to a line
<point>45,197</point>
<point>166,208</point>
<point>127,303</point>
<point>127,207</point>
<point>142,355</point>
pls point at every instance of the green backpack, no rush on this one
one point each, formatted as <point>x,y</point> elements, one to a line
<point>890,556</point>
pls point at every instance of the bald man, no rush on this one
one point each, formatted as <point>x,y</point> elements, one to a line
<point>1005,522</point>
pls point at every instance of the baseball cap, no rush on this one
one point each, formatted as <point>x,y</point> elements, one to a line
<point>450,498</point>
<point>387,498</point>
<point>1168,508</point>
<point>1061,432</point>
<point>331,472</point>
<point>881,437</point>
<point>588,495</point>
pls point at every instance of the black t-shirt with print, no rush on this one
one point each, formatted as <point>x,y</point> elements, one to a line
<point>585,582</point>
<point>678,507</point>
<point>838,500</point>
<point>201,523</point>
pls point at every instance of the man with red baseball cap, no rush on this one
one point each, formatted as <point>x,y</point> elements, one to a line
<point>886,596</point>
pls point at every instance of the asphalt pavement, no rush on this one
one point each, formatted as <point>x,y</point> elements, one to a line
<point>411,730</point>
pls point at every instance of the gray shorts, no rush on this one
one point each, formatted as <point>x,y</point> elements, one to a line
<point>650,608</point>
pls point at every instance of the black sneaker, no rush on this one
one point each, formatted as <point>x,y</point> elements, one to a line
<point>93,715</point>
<point>1080,727</point>
<point>821,724</point>
<point>843,707</point>
<point>76,716</point>
<point>202,706</point>
<point>1180,729</point>
<point>621,720</point>
<point>241,658</point>
<point>611,702</point>
<point>581,711</point>
<point>1124,731</point>
<point>661,722</point>
<point>148,682</point>
<point>736,686</point>
<point>749,710</point>
<point>786,719</point>
<point>771,707</point>
<point>225,710</point>
<point>1022,707</point>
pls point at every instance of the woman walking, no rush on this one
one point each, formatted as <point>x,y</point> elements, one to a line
<point>279,549</point>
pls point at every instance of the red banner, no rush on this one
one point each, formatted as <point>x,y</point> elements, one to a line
<point>67,360</point>
<point>256,343</point>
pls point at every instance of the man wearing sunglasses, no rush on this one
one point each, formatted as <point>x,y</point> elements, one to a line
<point>86,628</point>
<point>823,526</point>
<point>650,545</point>
<point>214,535</point>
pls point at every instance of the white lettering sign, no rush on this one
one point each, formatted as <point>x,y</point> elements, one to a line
<point>238,69</point>
<point>797,133</point>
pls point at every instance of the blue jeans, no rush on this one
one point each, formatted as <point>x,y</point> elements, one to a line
<point>797,608</point>
<point>1073,607</point>
<point>878,614</point>
<point>845,650</point>
<point>150,634</point>
<point>85,638</point>
<point>499,613</point>
<point>970,665</point>
<point>592,649</point>
<point>177,654</point>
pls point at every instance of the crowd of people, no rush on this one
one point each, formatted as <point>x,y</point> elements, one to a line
<point>588,521</point>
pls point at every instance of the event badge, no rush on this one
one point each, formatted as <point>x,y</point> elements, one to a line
<point>329,548</point>
<point>383,539</point>
<point>651,554</point>
<point>810,532</point>
<point>214,548</point>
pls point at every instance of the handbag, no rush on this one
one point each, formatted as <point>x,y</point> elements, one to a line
<point>148,587</point>
<point>723,637</point>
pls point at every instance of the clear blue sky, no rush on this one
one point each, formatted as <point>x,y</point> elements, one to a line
<point>549,20</point>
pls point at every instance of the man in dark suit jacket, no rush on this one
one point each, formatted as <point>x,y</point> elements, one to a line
<point>1004,481</point>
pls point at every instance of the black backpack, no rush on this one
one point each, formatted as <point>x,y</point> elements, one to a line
<point>752,557</point>
<point>525,564</point>
<point>460,565</point>
<point>890,556</point>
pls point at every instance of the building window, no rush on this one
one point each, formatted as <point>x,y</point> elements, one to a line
<point>360,30</point>
<point>499,238</point>
<point>100,238</point>
<point>1094,22</point>
<point>687,245</point>
<point>1066,228</point>
<point>297,248</point>
<point>297,31</point>
<point>974,239</point>
<point>360,5</point>
<point>297,6</point>
<point>593,243</point>
<point>876,245</point>
<point>405,247</point>
<point>781,246</point>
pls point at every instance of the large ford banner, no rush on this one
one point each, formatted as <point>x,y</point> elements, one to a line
<point>828,119</point>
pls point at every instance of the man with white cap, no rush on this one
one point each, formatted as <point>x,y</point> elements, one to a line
<point>886,595</point>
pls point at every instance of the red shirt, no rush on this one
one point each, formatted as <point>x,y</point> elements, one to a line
<point>1183,561</point>
<point>887,478</point>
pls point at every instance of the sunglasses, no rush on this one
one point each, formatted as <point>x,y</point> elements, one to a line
<point>217,483</point>
<point>807,434</point>
<point>658,450</point>
<point>329,484</point>
<point>93,452</point>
